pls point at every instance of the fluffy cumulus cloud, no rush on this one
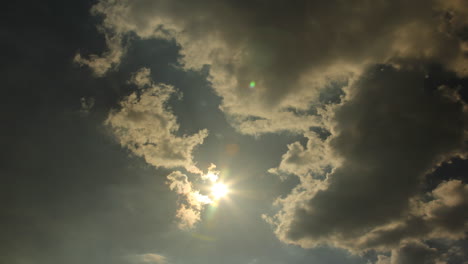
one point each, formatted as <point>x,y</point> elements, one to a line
<point>145,125</point>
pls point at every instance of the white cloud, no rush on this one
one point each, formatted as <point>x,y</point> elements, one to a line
<point>191,202</point>
<point>145,125</point>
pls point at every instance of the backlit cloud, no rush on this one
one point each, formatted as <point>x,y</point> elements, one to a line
<point>386,136</point>
<point>145,125</point>
<point>291,51</point>
<point>191,201</point>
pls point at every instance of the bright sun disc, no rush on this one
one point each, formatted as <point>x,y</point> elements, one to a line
<point>219,190</point>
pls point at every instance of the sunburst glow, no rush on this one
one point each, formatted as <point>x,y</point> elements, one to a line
<point>219,190</point>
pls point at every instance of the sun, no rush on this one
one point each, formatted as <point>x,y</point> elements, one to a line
<point>219,190</point>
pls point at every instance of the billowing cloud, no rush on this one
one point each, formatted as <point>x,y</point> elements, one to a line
<point>271,61</point>
<point>145,125</point>
<point>386,136</point>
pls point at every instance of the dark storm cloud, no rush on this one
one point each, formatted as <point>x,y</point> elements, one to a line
<point>387,135</point>
<point>291,50</point>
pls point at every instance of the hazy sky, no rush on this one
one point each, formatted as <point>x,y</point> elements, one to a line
<point>231,131</point>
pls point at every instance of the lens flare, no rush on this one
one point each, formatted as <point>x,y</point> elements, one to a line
<point>252,84</point>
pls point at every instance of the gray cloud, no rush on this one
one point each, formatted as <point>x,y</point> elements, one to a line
<point>145,125</point>
<point>290,50</point>
<point>414,252</point>
<point>386,136</point>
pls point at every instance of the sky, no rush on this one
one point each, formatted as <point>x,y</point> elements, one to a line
<point>232,131</point>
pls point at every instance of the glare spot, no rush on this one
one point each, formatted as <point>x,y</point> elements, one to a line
<point>219,190</point>
<point>252,84</point>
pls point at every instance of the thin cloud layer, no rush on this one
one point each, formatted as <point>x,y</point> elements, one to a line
<point>145,125</point>
<point>289,51</point>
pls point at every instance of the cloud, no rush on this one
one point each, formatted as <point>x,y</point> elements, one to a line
<point>109,60</point>
<point>145,125</point>
<point>314,159</point>
<point>414,252</point>
<point>360,187</point>
<point>443,217</point>
<point>382,259</point>
<point>191,202</point>
<point>387,135</point>
<point>149,258</point>
<point>292,51</point>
